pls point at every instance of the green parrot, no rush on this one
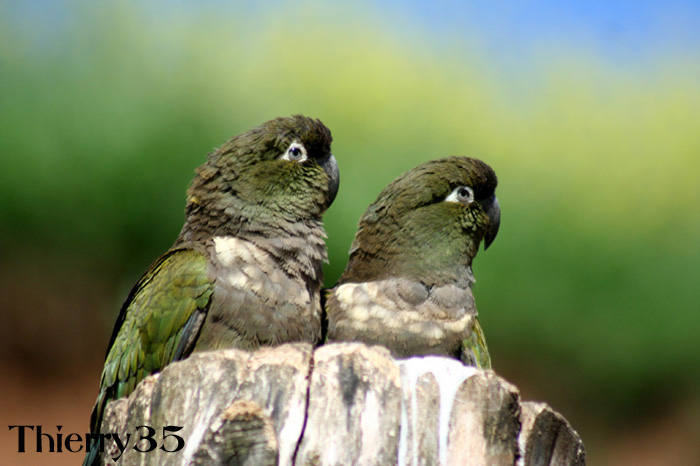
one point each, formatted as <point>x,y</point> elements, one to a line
<point>408,281</point>
<point>246,269</point>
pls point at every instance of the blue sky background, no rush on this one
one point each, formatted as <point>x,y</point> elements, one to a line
<point>615,29</point>
<point>621,31</point>
<point>514,40</point>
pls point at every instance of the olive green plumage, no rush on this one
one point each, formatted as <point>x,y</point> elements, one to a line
<point>246,269</point>
<point>408,281</point>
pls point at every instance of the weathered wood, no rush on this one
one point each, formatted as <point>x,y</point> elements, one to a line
<point>243,435</point>
<point>278,381</point>
<point>343,403</point>
<point>122,417</point>
<point>420,418</point>
<point>548,439</point>
<point>190,394</point>
<point>485,422</point>
<point>463,415</point>
<point>354,407</point>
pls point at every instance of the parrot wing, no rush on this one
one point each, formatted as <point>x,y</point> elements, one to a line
<point>474,350</point>
<point>158,323</point>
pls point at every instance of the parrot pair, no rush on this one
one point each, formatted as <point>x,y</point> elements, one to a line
<point>246,269</point>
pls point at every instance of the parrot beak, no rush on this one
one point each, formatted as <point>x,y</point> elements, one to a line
<point>493,212</point>
<point>330,166</point>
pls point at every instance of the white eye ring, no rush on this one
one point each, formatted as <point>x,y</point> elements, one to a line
<point>461,195</point>
<point>296,152</point>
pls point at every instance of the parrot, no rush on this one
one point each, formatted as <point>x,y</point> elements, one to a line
<point>408,281</point>
<point>245,270</point>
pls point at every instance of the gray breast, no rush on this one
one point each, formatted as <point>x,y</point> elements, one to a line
<point>257,302</point>
<point>404,315</point>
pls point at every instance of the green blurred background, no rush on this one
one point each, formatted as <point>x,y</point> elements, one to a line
<point>590,115</point>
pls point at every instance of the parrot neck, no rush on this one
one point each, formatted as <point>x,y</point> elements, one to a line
<point>428,270</point>
<point>432,260</point>
<point>227,215</point>
<point>300,242</point>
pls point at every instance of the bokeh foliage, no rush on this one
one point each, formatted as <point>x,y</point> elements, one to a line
<point>591,292</point>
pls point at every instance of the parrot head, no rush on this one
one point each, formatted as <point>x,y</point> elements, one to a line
<point>427,224</point>
<point>277,174</point>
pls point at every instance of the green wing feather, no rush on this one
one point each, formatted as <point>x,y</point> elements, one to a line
<point>158,324</point>
<point>474,349</point>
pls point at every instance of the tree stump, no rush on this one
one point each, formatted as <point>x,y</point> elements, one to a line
<point>340,404</point>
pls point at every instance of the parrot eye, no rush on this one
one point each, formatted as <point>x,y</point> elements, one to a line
<point>296,152</point>
<point>462,195</point>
